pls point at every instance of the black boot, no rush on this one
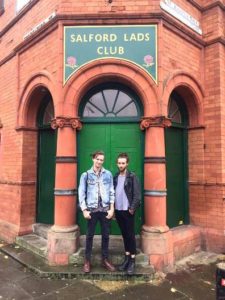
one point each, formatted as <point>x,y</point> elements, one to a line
<point>131,266</point>
<point>124,264</point>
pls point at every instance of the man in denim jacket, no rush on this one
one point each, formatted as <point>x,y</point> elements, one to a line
<point>96,199</point>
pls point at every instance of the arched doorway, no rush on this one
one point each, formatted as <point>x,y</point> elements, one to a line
<point>176,141</point>
<point>46,162</point>
<point>111,114</point>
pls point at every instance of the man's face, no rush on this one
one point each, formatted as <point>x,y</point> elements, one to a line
<point>98,161</point>
<point>122,164</point>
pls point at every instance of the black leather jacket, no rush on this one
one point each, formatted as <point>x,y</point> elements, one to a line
<point>132,189</point>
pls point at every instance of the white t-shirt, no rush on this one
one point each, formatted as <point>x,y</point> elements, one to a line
<point>121,202</point>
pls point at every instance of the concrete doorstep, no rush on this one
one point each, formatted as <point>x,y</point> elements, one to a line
<point>38,265</point>
<point>31,251</point>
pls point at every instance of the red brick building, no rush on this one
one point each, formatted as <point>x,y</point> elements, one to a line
<point>146,77</point>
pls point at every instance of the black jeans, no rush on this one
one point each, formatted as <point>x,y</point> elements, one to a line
<point>125,221</point>
<point>105,229</point>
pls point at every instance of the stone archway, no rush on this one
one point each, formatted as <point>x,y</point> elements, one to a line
<point>113,70</point>
<point>32,96</point>
<point>191,98</point>
<point>190,90</point>
<point>92,74</point>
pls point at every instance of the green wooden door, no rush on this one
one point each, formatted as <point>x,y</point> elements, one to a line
<point>46,176</point>
<point>46,162</point>
<point>112,138</point>
<point>177,163</point>
<point>176,179</point>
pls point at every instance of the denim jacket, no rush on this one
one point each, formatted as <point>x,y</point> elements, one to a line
<point>88,189</point>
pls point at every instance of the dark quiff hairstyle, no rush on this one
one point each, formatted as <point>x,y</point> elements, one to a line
<point>97,153</point>
<point>123,155</point>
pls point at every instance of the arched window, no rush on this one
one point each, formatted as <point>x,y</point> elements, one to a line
<point>177,111</point>
<point>46,112</point>
<point>110,102</point>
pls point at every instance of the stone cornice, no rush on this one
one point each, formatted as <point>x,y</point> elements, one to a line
<point>101,16</point>
<point>207,184</point>
<point>157,121</point>
<point>220,40</point>
<point>195,4</point>
<point>215,4</point>
<point>60,122</point>
<point>7,58</point>
<point>180,29</point>
<point>202,8</point>
<point>96,16</point>
<point>25,128</point>
<point>198,127</point>
<point>105,19</point>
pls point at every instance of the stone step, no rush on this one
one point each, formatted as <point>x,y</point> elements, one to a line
<point>115,241</point>
<point>33,243</point>
<point>38,245</point>
<point>39,266</point>
<point>41,229</point>
<point>115,256</point>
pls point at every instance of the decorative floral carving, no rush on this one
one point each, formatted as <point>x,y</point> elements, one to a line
<point>76,124</point>
<point>60,122</point>
<point>145,123</point>
<point>158,121</point>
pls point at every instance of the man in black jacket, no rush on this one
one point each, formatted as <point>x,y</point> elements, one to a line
<point>128,197</point>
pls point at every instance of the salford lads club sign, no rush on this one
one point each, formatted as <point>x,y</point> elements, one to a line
<point>136,43</point>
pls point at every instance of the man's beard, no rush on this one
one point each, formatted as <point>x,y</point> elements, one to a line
<point>122,170</point>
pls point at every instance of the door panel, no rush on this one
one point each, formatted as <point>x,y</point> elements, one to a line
<point>176,176</point>
<point>91,138</point>
<point>127,138</point>
<point>112,139</point>
<point>46,176</point>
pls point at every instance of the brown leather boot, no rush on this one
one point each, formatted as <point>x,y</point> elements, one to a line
<point>87,266</point>
<point>108,266</point>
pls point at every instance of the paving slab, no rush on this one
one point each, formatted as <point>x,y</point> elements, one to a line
<point>192,279</point>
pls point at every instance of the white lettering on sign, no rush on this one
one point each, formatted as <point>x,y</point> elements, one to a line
<point>41,24</point>
<point>177,12</point>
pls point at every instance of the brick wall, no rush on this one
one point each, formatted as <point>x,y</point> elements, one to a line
<point>15,33</point>
<point>179,54</point>
<point>180,48</point>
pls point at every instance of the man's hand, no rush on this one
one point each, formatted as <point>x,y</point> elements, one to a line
<point>131,211</point>
<point>110,214</point>
<point>86,214</point>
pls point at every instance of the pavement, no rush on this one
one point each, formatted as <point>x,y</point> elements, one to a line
<point>192,278</point>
